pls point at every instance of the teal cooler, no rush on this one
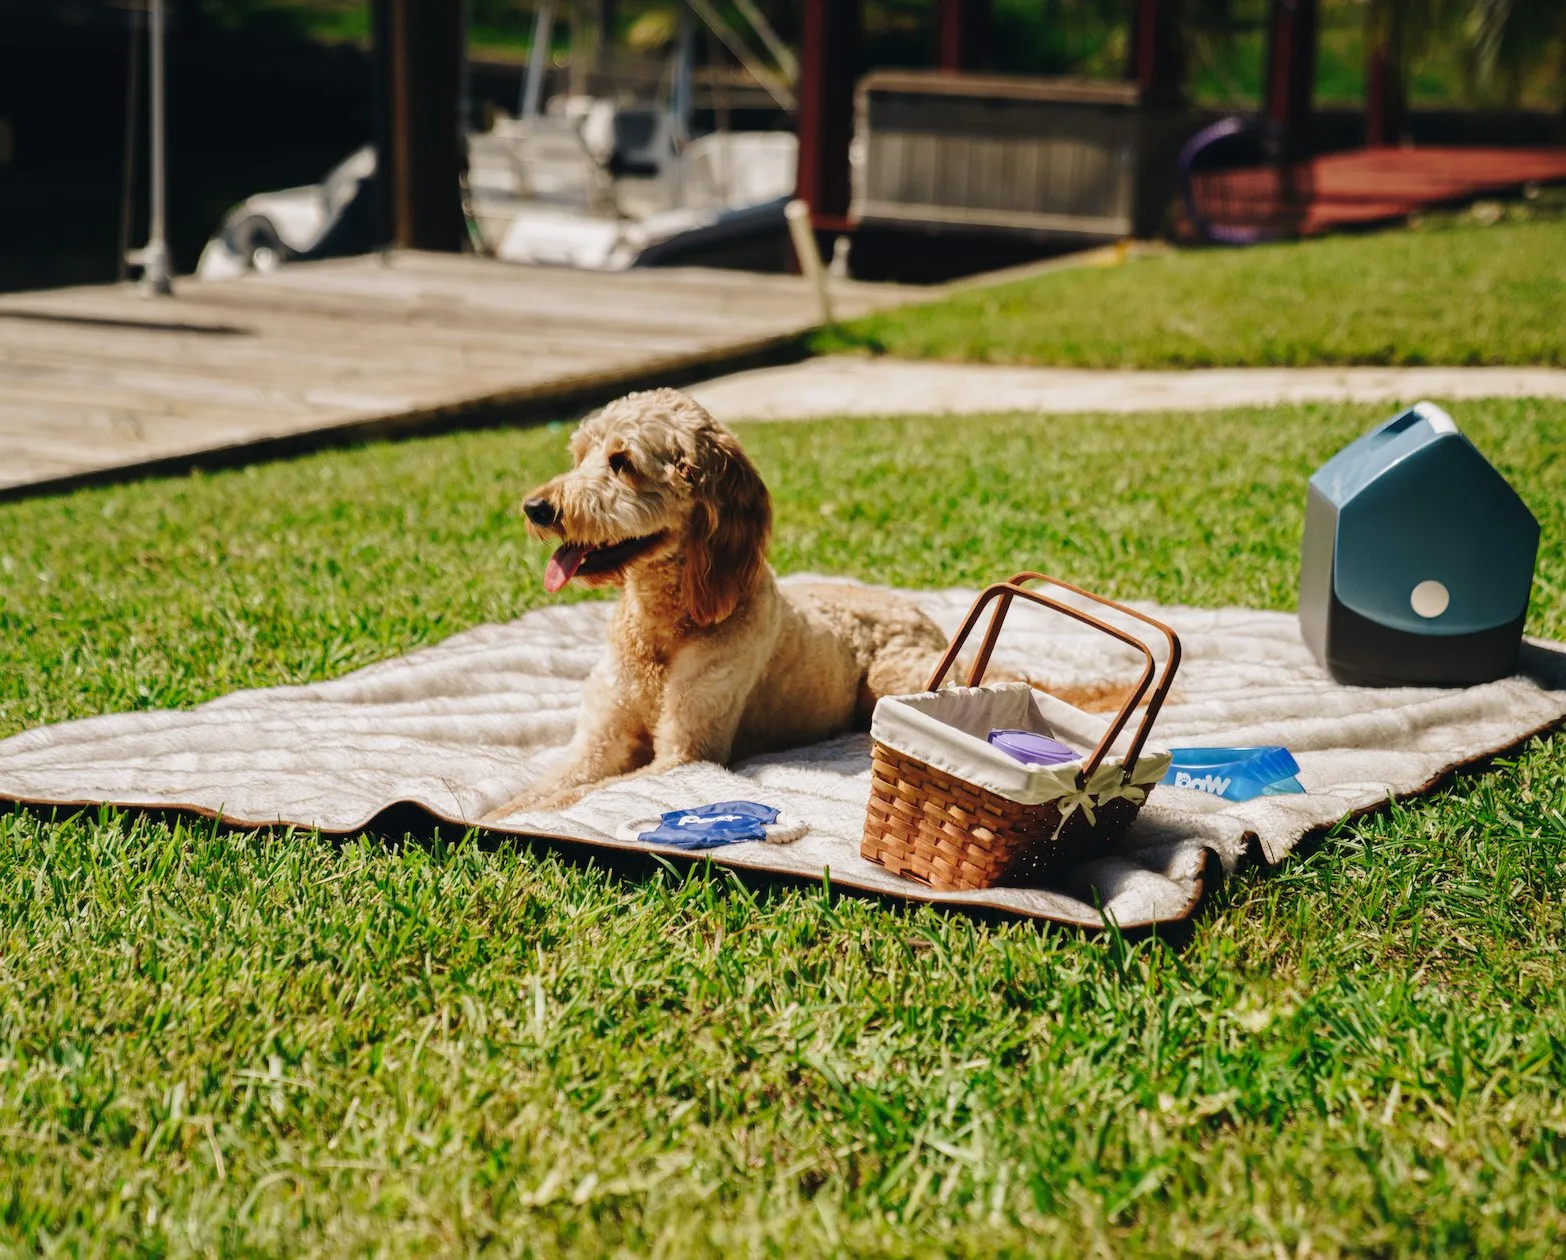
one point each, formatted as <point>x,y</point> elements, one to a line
<point>1418,559</point>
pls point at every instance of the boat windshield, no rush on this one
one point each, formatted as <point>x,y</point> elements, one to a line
<point>343,180</point>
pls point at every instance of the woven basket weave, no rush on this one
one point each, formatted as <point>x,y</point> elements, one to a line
<point>936,827</point>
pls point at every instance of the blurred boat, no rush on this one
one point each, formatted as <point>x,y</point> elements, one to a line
<point>606,188</point>
<point>324,220</point>
<point>579,181</point>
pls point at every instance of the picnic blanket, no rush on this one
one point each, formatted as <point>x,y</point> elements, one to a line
<point>459,728</point>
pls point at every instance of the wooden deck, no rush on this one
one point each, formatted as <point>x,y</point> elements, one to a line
<point>1363,187</point>
<point>1375,185</point>
<point>100,382</point>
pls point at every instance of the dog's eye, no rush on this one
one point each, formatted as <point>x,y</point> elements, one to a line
<point>620,464</point>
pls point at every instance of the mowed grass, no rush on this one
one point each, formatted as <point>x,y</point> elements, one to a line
<point>1452,293</point>
<point>274,1044</point>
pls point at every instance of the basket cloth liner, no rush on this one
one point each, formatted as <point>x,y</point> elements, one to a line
<point>948,731</point>
<point>458,728</point>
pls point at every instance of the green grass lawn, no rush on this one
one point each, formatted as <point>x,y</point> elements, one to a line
<point>1450,293</point>
<point>237,1044</point>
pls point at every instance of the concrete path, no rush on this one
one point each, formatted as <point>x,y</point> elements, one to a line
<point>850,386</point>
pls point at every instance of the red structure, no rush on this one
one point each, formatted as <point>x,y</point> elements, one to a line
<point>1291,71</point>
<point>1385,101</point>
<point>827,69</point>
<point>1156,62</point>
<point>1376,183</point>
<point>962,34</point>
<point>419,48</point>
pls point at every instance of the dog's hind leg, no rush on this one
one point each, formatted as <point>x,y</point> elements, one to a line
<point>900,668</point>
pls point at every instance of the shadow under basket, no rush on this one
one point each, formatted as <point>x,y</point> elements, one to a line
<point>951,811</point>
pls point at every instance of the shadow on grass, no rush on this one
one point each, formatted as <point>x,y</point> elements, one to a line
<point>405,822</point>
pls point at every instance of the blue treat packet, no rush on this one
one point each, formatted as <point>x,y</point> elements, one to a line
<point>1236,774</point>
<point>711,826</point>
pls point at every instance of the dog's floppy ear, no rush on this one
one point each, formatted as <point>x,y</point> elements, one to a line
<point>730,526</point>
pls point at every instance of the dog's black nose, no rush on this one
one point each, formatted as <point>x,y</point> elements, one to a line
<point>541,512</point>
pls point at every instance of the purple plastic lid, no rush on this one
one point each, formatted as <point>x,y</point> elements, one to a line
<point>1033,749</point>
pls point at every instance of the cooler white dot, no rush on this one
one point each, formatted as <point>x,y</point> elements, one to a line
<point>1430,599</point>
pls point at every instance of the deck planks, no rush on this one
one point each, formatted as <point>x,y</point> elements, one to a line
<point>99,381</point>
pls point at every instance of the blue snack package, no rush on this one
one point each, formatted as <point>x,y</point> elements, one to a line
<point>711,826</point>
<point>1236,774</point>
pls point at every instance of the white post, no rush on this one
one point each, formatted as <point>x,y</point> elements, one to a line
<point>538,59</point>
<point>684,67</point>
<point>155,277</point>
<point>804,237</point>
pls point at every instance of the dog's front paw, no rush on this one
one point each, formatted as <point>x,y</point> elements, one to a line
<point>533,800</point>
<point>529,800</point>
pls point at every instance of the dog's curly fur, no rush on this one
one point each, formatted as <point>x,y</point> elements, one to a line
<point>708,659</point>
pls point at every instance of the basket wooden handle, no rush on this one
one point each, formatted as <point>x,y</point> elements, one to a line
<point>1005,592</point>
<point>1160,692</point>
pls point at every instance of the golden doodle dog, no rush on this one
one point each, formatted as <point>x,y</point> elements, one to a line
<point>708,659</point>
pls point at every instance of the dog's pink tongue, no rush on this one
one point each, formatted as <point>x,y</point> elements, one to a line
<point>563,565</point>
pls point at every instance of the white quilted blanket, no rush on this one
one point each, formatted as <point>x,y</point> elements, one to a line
<point>461,727</point>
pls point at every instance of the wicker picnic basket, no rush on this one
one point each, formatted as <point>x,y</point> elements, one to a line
<point>951,811</point>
